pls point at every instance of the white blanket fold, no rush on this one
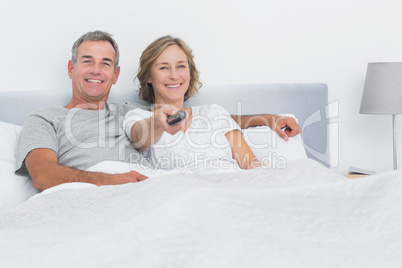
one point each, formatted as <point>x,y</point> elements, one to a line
<point>302,216</point>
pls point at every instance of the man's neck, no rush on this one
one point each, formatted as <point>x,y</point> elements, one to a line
<point>85,105</point>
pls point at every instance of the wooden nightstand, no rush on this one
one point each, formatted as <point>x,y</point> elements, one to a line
<point>354,173</point>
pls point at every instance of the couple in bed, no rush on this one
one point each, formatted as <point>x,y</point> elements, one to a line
<point>58,144</point>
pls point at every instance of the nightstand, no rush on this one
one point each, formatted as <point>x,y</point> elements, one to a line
<point>354,173</point>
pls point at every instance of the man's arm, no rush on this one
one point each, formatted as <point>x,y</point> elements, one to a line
<point>46,172</point>
<point>285,126</point>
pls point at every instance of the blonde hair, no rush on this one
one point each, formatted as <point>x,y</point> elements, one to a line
<point>149,56</point>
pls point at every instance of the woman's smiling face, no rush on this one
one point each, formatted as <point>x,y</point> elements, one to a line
<point>170,76</point>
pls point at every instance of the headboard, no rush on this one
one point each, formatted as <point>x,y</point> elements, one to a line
<point>307,101</point>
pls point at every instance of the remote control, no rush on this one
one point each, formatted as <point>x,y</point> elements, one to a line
<point>176,118</point>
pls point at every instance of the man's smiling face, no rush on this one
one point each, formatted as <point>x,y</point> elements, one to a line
<point>94,73</point>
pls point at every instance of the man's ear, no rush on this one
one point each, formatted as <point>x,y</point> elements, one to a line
<point>116,75</point>
<point>70,68</point>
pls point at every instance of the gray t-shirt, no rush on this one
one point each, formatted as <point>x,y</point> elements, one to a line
<point>81,138</point>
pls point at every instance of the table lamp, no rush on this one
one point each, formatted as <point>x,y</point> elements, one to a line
<point>382,93</point>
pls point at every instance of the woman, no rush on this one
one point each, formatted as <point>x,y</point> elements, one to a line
<point>208,138</point>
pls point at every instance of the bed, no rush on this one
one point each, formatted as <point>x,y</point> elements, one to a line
<point>294,213</point>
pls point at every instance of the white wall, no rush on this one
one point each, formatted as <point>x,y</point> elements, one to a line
<point>234,41</point>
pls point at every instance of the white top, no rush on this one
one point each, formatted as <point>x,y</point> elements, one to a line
<point>203,146</point>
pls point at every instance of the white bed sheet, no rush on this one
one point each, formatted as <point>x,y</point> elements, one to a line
<point>301,216</point>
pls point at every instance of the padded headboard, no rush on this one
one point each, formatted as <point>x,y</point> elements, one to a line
<point>307,101</point>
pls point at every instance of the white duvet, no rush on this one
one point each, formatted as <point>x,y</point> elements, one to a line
<point>301,216</point>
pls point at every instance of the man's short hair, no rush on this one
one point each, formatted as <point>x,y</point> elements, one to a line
<point>95,36</point>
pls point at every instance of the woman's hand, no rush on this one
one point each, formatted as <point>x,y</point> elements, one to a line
<point>149,131</point>
<point>160,120</point>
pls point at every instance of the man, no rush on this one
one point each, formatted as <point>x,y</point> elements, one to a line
<point>57,145</point>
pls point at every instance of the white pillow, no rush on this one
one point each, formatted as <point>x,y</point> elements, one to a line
<point>271,149</point>
<point>13,188</point>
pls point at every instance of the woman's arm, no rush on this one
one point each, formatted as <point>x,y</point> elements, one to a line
<point>285,126</point>
<point>149,131</point>
<point>145,133</point>
<point>241,152</point>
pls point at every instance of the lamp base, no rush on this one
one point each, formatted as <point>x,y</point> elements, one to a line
<point>394,141</point>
